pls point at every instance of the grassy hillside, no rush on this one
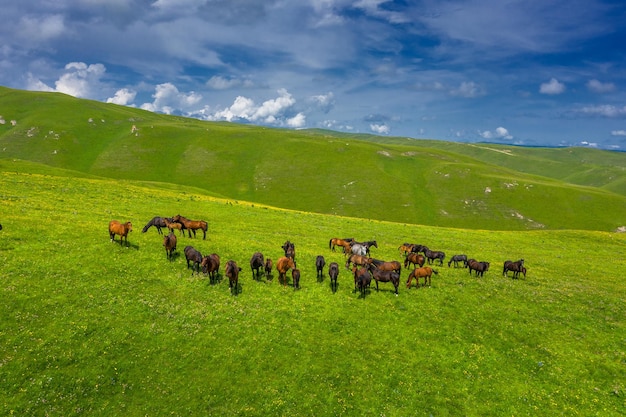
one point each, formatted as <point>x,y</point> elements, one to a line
<point>93,328</point>
<point>394,179</point>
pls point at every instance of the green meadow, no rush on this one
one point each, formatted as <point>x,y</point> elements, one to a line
<point>92,327</point>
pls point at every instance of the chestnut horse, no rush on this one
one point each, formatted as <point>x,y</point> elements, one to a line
<point>122,229</point>
<point>387,266</point>
<point>172,225</point>
<point>425,272</point>
<point>415,259</point>
<point>169,242</point>
<point>192,225</point>
<point>358,260</point>
<point>345,243</point>
<point>283,265</point>
<point>211,265</point>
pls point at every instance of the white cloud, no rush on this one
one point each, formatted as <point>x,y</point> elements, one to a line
<point>273,111</point>
<point>79,80</point>
<point>167,99</point>
<point>552,87</point>
<point>298,121</point>
<point>324,101</point>
<point>381,129</point>
<point>468,90</point>
<point>618,132</point>
<point>217,82</point>
<point>123,97</point>
<point>600,87</point>
<point>606,110</point>
<point>41,28</point>
<point>500,133</point>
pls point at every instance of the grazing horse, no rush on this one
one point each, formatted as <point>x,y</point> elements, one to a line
<point>194,257</point>
<point>358,249</point>
<point>192,225</point>
<point>387,266</point>
<point>256,263</point>
<point>232,272</point>
<point>358,260</point>
<point>283,265</point>
<point>425,272</point>
<point>157,222</point>
<point>415,259</point>
<point>333,273</point>
<point>344,243</point>
<point>516,267</point>
<point>122,229</point>
<point>211,266</point>
<point>172,225</point>
<point>381,275</point>
<point>479,267</point>
<point>362,279</point>
<point>268,267</point>
<point>319,266</point>
<point>456,259</point>
<point>169,242</point>
<point>295,275</point>
<point>432,255</point>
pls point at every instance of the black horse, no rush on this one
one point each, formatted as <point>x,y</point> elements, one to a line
<point>333,273</point>
<point>257,262</point>
<point>456,259</point>
<point>432,255</point>
<point>157,222</point>
<point>195,257</point>
<point>380,275</point>
<point>319,265</point>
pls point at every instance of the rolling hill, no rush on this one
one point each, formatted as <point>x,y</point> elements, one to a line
<point>476,186</point>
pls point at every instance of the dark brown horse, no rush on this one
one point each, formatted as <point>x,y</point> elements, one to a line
<point>425,272</point>
<point>431,255</point>
<point>516,267</point>
<point>295,276</point>
<point>333,273</point>
<point>414,259</point>
<point>362,279</point>
<point>211,265</point>
<point>381,275</point>
<point>122,229</point>
<point>257,262</point>
<point>319,266</point>
<point>479,267</point>
<point>344,243</point>
<point>456,259</point>
<point>387,265</point>
<point>283,265</point>
<point>268,267</point>
<point>169,242</point>
<point>194,258</point>
<point>157,222</point>
<point>192,225</point>
<point>232,272</point>
<point>290,250</point>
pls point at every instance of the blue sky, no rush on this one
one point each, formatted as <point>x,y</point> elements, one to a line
<point>520,72</point>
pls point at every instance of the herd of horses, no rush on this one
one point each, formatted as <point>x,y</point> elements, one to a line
<point>359,262</point>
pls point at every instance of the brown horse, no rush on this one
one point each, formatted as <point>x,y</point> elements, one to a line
<point>232,272</point>
<point>283,265</point>
<point>192,225</point>
<point>122,229</point>
<point>381,275</point>
<point>479,267</point>
<point>345,243</point>
<point>290,250</point>
<point>387,266</point>
<point>319,266</point>
<point>295,276</point>
<point>359,260</point>
<point>516,267</point>
<point>425,272</point>
<point>169,242</point>
<point>415,259</point>
<point>172,225</point>
<point>194,258</point>
<point>333,273</point>
<point>268,267</point>
<point>256,263</point>
<point>362,279</point>
<point>211,265</point>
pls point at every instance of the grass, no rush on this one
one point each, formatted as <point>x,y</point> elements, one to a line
<point>93,328</point>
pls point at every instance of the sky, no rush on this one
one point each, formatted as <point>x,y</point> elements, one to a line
<point>533,73</point>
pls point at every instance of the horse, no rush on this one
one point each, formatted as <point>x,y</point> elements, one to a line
<point>283,265</point>
<point>432,255</point>
<point>319,266</point>
<point>359,249</point>
<point>172,225</point>
<point>192,225</point>
<point>290,250</point>
<point>425,272</point>
<point>333,273</point>
<point>415,259</point>
<point>344,243</point>
<point>362,279</point>
<point>369,244</point>
<point>516,267</point>
<point>232,272</point>
<point>157,222</point>
<point>122,229</point>
<point>268,267</point>
<point>169,242</point>
<point>387,266</point>
<point>359,260</point>
<point>295,275</point>
<point>456,259</point>
<point>256,263</point>
<point>479,267</point>
<point>385,275</point>
<point>193,256</point>
<point>211,266</point>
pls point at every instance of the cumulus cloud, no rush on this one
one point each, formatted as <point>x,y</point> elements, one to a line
<point>468,89</point>
<point>552,87</point>
<point>325,102</point>
<point>123,97</point>
<point>605,110</point>
<point>499,133</point>
<point>274,111</point>
<point>381,129</point>
<point>79,80</point>
<point>167,99</point>
<point>600,87</point>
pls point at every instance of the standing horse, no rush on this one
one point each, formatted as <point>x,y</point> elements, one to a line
<point>268,267</point>
<point>432,255</point>
<point>359,249</point>
<point>387,266</point>
<point>194,257</point>
<point>295,275</point>
<point>358,260</point>
<point>344,243</point>
<point>232,272</point>
<point>157,222</point>
<point>192,225</point>
<point>122,229</point>
<point>333,273</point>
<point>479,267</point>
<point>415,259</point>
<point>211,266</point>
<point>256,263</point>
<point>362,279</point>
<point>381,275</point>
<point>172,225</point>
<point>516,267</point>
<point>169,242</point>
<point>456,259</point>
<point>319,266</point>
<point>283,265</point>
<point>425,272</point>
<point>369,244</point>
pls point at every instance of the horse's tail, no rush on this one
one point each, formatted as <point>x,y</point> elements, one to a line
<point>330,244</point>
